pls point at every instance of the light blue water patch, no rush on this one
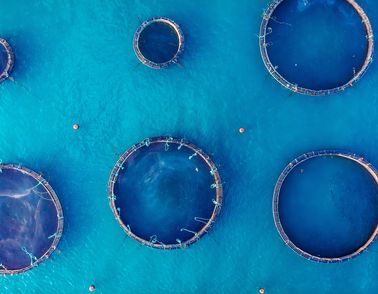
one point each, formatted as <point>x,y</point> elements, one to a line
<point>75,64</point>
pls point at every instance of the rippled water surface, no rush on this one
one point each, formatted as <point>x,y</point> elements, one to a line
<point>75,64</point>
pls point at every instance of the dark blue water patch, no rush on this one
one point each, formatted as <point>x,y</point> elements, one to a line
<point>160,192</point>
<point>3,58</point>
<point>318,45</point>
<point>329,206</point>
<point>159,42</point>
<point>28,217</point>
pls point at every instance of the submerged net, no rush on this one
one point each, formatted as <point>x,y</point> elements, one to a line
<point>31,219</point>
<point>325,205</point>
<point>165,192</point>
<point>158,42</point>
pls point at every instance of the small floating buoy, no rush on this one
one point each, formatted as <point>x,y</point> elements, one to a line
<point>92,288</point>
<point>261,291</point>
<point>241,130</point>
<point>75,126</point>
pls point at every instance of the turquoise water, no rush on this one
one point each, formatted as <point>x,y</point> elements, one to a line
<point>328,206</point>
<point>75,64</point>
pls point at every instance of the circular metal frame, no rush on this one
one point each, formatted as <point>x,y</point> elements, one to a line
<point>276,197</point>
<point>58,207</point>
<point>10,62</point>
<point>180,37</point>
<point>295,88</point>
<point>212,169</point>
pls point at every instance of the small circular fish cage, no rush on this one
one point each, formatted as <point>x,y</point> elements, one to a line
<point>31,219</point>
<point>6,60</point>
<point>165,192</point>
<point>158,42</point>
<point>333,224</point>
<point>310,50</point>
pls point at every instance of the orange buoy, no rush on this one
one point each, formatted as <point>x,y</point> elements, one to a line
<point>75,126</point>
<point>261,291</point>
<point>92,288</point>
<point>241,130</point>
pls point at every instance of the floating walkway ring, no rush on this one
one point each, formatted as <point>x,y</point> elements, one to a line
<point>17,254</point>
<point>201,156</point>
<point>276,197</point>
<point>136,42</point>
<point>297,89</point>
<point>4,74</point>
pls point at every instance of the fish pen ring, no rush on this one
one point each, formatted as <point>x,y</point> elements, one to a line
<point>31,219</point>
<point>285,229</point>
<point>158,42</point>
<point>285,76</point>
<point>6,60</point>
<point>165,192</point>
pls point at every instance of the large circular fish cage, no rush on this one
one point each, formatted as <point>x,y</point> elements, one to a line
<point>165,192</point>
<point>274,70</point>
<point>6,60</point>
<point>161,34</point>
<point>351,158</point>
<point>31,219</point>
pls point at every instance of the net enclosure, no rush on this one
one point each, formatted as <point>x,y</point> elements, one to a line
<point>158,42</point>
<point>31,219</point>
<point>6,60</point>
<point>316,47</point>
<point>165,192</point>
<point>325,205</point>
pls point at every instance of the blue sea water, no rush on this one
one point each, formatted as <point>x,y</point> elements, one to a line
<point>75,64</point>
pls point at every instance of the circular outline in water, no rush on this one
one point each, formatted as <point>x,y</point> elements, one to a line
<point>10,62</point>
<point>166,140</point>
<point>276,196</point>
<point>180,37</point>
<point>58,207</point>
<point>295,88</point>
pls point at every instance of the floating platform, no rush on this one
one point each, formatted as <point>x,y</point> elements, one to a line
<point>165,192</point>
<point>158,42</point>
<point>31,219</point>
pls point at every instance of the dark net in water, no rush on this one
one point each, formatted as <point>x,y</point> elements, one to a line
<point>159,42</point>
<point>316,47</point>
<point>3,58</point>
<point>167,192</point>
<point>326,205</point>
<point>30,219</point>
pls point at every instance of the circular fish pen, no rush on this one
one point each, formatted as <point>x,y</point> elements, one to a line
<point>326,210</point>
<point>31,219</point>
<point>158,42</point>
<point>165,192</point>
<point>310,50</point>
<point>6,60</point>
